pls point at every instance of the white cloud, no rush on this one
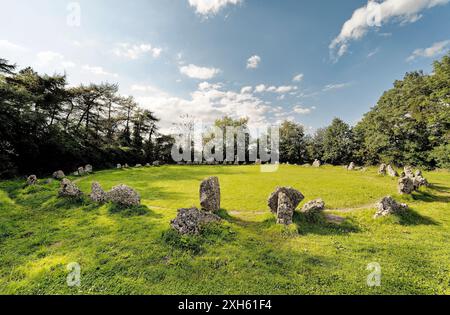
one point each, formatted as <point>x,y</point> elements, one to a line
<point>136,51</point>
<point>7,45</point>
<point>196,72</point>
<point>253,62</point>
<point>211,7</point>
<point>52,61</point>
<point>302,110</point>
<point>99,71</point>
<point>373,53</point>
<point>336,86</point>
<point>298,77</point>
<point>436,49</point>
<point>274,89</point>
<point>375,14</point>
<point>247,89</point>
<point>206,104</point>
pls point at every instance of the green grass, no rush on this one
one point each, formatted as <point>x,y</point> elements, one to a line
<point>134,252</point>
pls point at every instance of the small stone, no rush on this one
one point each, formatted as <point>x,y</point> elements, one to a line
<point>408,171</point>
<point>97,193</point>
<point>210,194</point>
<point>190,221</point>
<point>156,163</point>
<point>59,175</point>
<point>147,165</point>
<point>351,167</point>
<point>119,166</point>
<point>138,165</point>
<point>32,180</point>
<point>313,207</point>
<point>388,206</point>
<point>405,185</point>
<point>69,190</point>
<point>382,170</point>
<point>88,169</point>
<point>124,196</point>
<point>81,171</point>
<point>317,163</point>
<point>391,172</point>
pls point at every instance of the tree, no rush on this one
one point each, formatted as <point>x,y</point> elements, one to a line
<point>292,143</point>
<point>338,143</point>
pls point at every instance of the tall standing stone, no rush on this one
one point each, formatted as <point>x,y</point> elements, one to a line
<point>294,195</point>
<point>382,170</point>
<point>285,209</point>
<point>391,172</point>
<point>97,193</point>
<point>405,186</point>
<point>210,194</point>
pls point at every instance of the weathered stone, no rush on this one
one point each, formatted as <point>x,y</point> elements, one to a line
<point>405,185</point>
<point>88,169</point>
<point>119,166</point>
<point>190,221</point>
<point>156,163</point>
<point>419,181</point>
<point>418,173</point>
<point>294,195</point>
<point>124,196</point>
<point>147,165</point>
<point>285,211</point>
<point>391,172</point>
<point>97,193</point>
<point>126,166</point>
<point>81,171</point>
<point>59,175</point>
<point>138,165</point>
<point>351,167</point>
<point>210,194</point>
<point>382,170</point>
<point>32,180</point>
<point>388,206</point>
<point>317,163</point>
<point>313,207</point>
<point>69,190</point>
<point>408,171</point>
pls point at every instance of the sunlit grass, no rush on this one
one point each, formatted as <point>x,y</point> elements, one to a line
<point>131,253</point>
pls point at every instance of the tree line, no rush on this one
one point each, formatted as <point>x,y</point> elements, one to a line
<point>47,125</point>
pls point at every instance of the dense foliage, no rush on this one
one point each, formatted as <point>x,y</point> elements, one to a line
<point>46,125</point>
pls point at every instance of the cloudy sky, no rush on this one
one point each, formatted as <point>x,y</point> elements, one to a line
<point>308,61</point>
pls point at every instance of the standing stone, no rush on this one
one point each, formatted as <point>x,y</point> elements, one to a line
<point>391,172</point>
<point>285,211</point>
<point>156,163</point>
<point>119,166</point>
<point>58,175</point>
<point>138,165</point>
<point>351,167</point>
<point>190,221</point>
<point>418,173</point>
<point>88,169</point>
<point>382,170</point>
<point>313,207</point>
<point>405,185</point>
<point>388,206</point>
<point>69,190</point>
<point>419,181</point>
<point>408,171</point>
<point>32,180</point>
<point>126,165</point>
<point>124,196</point>
<point>210,194</point>
<point>147,165</point>
<point>316,163</point>
<point>81,171</point>
<point>97,193</point>
<point>294,195</point>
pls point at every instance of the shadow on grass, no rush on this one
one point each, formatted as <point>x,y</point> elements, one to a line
<point>412,217</point>
<point>428,197</point>
<point>320,226</point>
<point>439,188</point>
<point>135,211</point>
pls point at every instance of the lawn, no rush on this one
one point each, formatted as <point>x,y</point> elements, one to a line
<point>135,253</point>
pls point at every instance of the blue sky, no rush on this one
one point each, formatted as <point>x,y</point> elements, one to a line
<point>308,61</point>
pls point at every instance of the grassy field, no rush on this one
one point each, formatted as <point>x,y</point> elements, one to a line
<point>133,253</point>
